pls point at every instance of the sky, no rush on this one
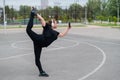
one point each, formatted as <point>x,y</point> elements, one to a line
<point>61,3</point>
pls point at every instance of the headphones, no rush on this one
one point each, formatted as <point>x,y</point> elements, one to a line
<point>52,23</point>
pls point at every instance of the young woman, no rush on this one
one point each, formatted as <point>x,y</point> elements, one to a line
<point>45,39</point>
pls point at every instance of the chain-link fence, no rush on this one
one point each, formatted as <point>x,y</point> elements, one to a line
<point>17,12</point>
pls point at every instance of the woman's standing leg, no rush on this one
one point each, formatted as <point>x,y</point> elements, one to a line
<point>37,51</point>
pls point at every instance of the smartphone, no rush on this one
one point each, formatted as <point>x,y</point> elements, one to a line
<point>69,24</point>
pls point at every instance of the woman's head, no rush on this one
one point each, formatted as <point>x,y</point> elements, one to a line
<point>53,23</point>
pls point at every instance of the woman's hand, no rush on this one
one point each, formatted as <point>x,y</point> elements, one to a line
<point>69,25</point>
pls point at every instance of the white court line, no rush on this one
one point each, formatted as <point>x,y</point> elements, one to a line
<point>105,42</point>
<point>101,64</point>
<point>77,43</point>
<point>13,45</point>
<point>101,42</point>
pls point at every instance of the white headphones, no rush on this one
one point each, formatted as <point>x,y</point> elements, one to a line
<point>52,23</point>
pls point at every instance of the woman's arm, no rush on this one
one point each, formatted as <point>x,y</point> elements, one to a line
<point>41,19</point>
<point>62,34</point>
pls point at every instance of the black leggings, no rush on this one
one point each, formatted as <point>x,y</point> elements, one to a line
<point>36,39</point>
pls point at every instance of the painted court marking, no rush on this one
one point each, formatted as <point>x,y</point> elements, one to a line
<point>13,45</point>
<point>97,41</point>
<point>100,65</point>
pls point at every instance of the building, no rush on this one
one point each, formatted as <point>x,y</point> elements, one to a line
<point>44,4</point>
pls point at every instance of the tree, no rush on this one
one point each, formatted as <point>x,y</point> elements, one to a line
<point>94,8</point>
<point>47,13</point>
<point>75,11</point>
<point>7,11</point>
<point>57,12</point>
<point>113,7</point>
<point>24,12</point>
<point>11,13</point>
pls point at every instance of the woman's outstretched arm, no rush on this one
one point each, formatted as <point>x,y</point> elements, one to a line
<point>62,34</point>
<point>43,22</point>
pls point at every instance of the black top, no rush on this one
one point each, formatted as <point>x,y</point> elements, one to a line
<point>50,35</point>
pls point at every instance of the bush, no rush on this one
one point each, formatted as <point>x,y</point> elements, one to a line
<point>115,19</point>
<point>89,19</point>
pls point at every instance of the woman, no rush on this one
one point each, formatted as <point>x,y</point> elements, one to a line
<point>45,39</point>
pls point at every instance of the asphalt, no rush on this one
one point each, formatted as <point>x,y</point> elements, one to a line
<point>90,53</point>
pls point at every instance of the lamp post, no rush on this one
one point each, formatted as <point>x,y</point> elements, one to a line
<point>118,12</point>
<point>86,15</point>
<point>4,14</point>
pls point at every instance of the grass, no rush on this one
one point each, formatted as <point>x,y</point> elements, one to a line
<point>39,26</point>
<point>107,25</point>
<point>17,27</point>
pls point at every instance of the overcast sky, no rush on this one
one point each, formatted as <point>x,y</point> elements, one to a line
<point>62,3</point>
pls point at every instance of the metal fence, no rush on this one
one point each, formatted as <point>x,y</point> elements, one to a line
<point>82,11</point>
<point>17,12</point>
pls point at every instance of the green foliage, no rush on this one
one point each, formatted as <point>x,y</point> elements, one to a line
<point>94,8</point>
<point>112,6</point>
<point>104,10</point>
<point>115,19</point>
<point>75,11</point>
<point>90,20</point>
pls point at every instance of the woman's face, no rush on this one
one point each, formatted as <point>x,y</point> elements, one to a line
<point>54,24</point>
